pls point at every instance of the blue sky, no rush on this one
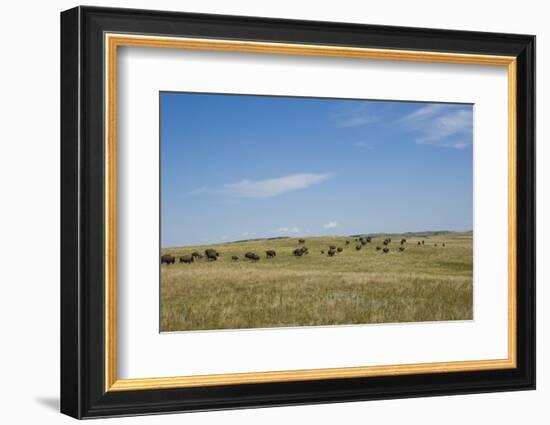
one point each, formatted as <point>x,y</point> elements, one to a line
<point>238,167</point>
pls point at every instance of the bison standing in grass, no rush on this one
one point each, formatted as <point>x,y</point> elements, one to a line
<point>331,252</point>
<point>298,252</point>
<point>252,256</point>
<point>339,249</point>
<point>378,248</point>
<point>187,259</point>
<point>211,254</point>
<point>401,248</point>
<point>234,258</point>
<point>386,250</point>
<point>167,259</point>
<point>403,241</point>
<point>369,239</point>
<point>358,247</point>
<point>270,253</point>
<point>301,241</point>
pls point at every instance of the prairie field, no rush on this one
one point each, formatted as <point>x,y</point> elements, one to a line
<point>422,283</point>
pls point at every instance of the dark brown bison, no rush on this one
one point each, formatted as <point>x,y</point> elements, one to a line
<point>298,252</point>
<point>358,247</point>
<point>332,247</point>
<point>234,257</point>
<point>187,259</point>
<point>339,249</point>
<point>443,244</point>
<point>403,241</point>
<point>195,254</point>
<point>386,242</point>
<point>386,250</point>
<point>167,259</point>
<point>331,252</point>
<point>401,248</point>
<point>418,243</point>
<point>252,256</point>
<point>301,241</point>
<point>322,252</point>
<point>369,239</point>
<point>270,253</point>
<point>422,242</point>
<point>378,248</point>
<point>347,242</point>
<point>363,241</point>
<point>211,254</point>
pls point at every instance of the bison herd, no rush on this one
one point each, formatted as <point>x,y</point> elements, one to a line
<point>212,255</point>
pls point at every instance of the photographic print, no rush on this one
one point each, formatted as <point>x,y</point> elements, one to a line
<point>291,211</point>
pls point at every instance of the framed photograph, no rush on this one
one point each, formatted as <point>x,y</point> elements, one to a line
<point>261,212</point>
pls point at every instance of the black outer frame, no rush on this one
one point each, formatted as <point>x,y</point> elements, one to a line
<point>82,219</point>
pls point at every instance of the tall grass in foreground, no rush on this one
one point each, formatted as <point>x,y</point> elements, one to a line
<point>423,283</point>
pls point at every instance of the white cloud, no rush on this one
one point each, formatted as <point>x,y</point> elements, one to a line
<point>358,115</point>
<point>331,225</point>
<point>294,229</point>
<point>262,189</point>
<point>442,125</point>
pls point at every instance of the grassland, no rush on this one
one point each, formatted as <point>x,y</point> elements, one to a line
<point>423,283</point>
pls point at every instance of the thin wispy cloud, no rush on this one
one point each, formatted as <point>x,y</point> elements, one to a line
<point>294,229</point>
<point>357,115</point>
<point>363,145</point>
<point>331,225</point>
<point>442,125</point>
<point>268,188</point>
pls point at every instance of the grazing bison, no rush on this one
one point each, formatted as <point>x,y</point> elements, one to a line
<point>401,248</point>
<point>369,239</point>
<point>339,249</point>
<point>252,256</point>
<point>378,248</point>
<point>418,243</point>
<point>234,257</point>
<point>298,252</point>
<point>270,253</point>
<point>403,241</point>
<point>386,242</point>
<point>195,254</point>
<point>211,254</point>
<point>422,242</point>
<point>301,241</point>
<point>322,252</point>
<point>187,259</point>
<point>386,250</point>
<point>167,259</point>
<point>358,247</point>
<point>443,243</point>
<point>363,241</point>
<point>332,247</point>
<point>331,252</point>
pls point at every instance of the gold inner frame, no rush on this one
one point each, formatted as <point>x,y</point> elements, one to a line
<point>113,41</point>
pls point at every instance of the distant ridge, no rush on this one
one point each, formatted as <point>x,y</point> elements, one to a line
<point>424,233</point>
<point>261,239</point>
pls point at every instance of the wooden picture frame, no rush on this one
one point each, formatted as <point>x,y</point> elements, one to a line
<point>90,38</point>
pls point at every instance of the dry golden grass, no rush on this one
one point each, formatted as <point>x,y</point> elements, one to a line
<point>423,283</point>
